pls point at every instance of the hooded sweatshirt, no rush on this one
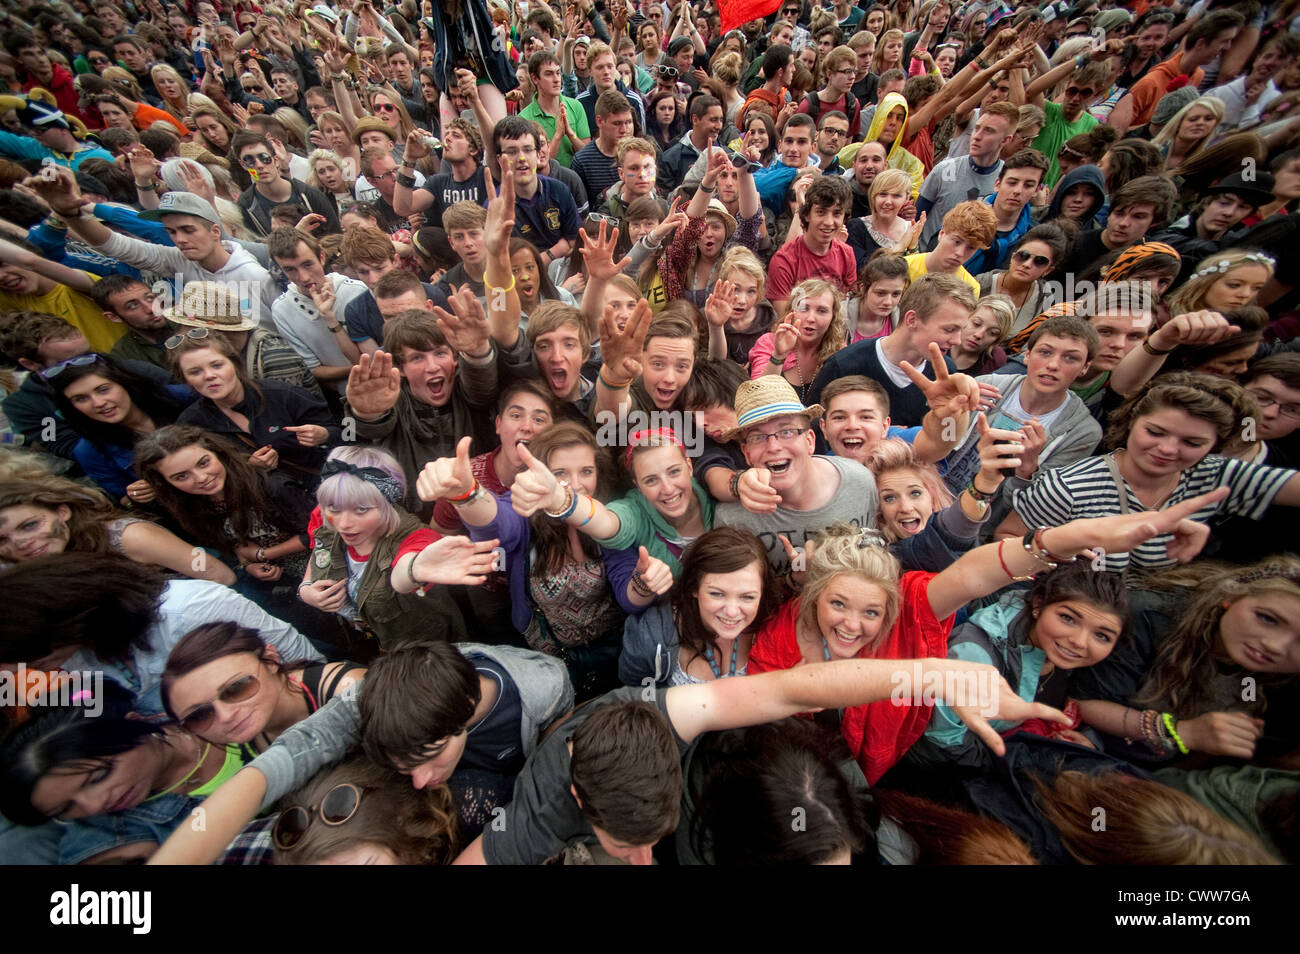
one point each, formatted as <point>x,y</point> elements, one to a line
<point>899,158</point>
<point>1087,175</point>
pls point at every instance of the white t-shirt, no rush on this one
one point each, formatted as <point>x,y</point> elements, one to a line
<point>896,374</point>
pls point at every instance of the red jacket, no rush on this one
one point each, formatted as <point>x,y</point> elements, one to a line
<point>880,733</point>
<point>62,85</point>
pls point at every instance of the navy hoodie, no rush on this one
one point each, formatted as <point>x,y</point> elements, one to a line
<point>1085,174</point>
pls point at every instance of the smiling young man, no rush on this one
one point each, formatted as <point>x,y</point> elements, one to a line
<point>871,159</point>
<point>934,309</point>
<point>307,315</point>
<point>817,252</point>
<point>271,188</point>
<point>706,116</point>
<point>545,211</point>
<point>1058,427</point>
<point>604,77</point>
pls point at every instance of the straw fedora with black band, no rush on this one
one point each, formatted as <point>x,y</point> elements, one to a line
<point>764,398</point>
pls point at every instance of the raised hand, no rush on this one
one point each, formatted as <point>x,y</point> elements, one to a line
<point>717,310</point>
<point>416,147</point>
<point>653,573</point>
<point>784,339</point>
<point>58,187</point>
<point>455,561</point>
<point>310,222</point>
<point>1192,328</point>
<point>536,488</point>
<point>446,476</point>
<point>466,327</point>
<point>913,235</point>
<point>1121,533</point>
<point>500,210</point>
<point>324,298</point>
<point>196,182</point>
<point>999,451</point>
<point>144,167</point>
<point>621,348</point>
<point>373,385</point>
<point>598,253</point>
<point>948,394</point>
<point>1035,439</point>
<point>755,491</point>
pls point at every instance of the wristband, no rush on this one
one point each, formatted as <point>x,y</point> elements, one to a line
<point>333,329</point>
<point>473,487</point>
<point>1173,733</point>
<point>502,290</point>
<point>1155,352</point>
<point>151,187</point>
<point>1030,542</point>
<point>708,189</point>
<point>1007,570</point>
<point>567,508</point>
<point>734,485</point>
<point>590,513</point>
<point>980,495</point>
<point>420,588</point>
<point>600,376</point>
<point>639,584</point>
<point>405,181</point>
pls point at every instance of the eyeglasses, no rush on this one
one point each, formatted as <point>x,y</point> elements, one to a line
<point>241,690</point>
<point>258,159</point>
<point>846,72</point>
<point>99,60</point>
<point>382,176</point>
<point>194,334</point>
<point>336,808</point>
<point>784,434</point>
<point>80,361</point>
<point>834,131</point>
<point>1042,261</point>
<point>1267,400</point>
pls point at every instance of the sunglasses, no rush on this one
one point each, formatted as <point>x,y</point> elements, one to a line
<point>253,161</point>
<point>1087,92</point>
<point>99,61</point>
<point>80,361</point>
<point>241,690</point>
<point>601,218</point>
<point>386,107</point>
<point>255,88</point>
<point>196,334</point>
<point>336,808</point>
<point>1042,261</point>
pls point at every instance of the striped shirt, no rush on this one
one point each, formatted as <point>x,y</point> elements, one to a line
<point>1087,489</point>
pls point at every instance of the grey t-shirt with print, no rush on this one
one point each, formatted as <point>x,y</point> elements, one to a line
<point>855,501</point>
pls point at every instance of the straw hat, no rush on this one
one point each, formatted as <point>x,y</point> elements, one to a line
<point>764,398</point>
<point>210,305</point>
<point>728,220</point>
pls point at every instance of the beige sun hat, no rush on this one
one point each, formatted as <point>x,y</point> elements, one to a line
<point>210,305</point>
<point>764,398</point>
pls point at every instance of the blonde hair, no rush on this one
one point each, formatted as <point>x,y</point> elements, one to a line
<point>171,72</point>
<point>894,454</point>
<point>294,125</point>
<point>1170,129</point>
<point>878,58</point>
<point>837,333</point>
<point>741,259</point>
<point>1147,823</point>
<point>324,155</point>
<point>1003,310</point>
<point>844,549</point>
<point>896,181</point>
<point>1191,296</point>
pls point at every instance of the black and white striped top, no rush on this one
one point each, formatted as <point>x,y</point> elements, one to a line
<point>1087,489</point>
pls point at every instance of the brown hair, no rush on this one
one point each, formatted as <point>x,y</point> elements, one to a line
<point>1146,823</point>
<point>419,827</point>
<point>222,346</point>
<point>211,641</point>
<point>627,772</point>
<point>551,537</point>
<point>722,550</point>
<point>366,245</point>
<point>415,328</point>
<point>552,315</point>
<point>91,508</point>
<point>945,835</point>
<point>1193,394</point>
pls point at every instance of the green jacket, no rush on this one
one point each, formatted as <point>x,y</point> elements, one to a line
<point>389,616</point>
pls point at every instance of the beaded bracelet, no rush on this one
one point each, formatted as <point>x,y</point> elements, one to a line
<point>639,584</point>
<point>569,506</point>
<point>1173,733</point>
<point>978,494</point>
<point>734,485</point>
<point>1156,352</point>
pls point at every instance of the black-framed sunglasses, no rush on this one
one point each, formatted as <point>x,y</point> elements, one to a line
<point>1087,92</point>
<point>336,808</point>
<point>240,690</point>
<point>195,334</point>
<point>80,361</point>
<point>253,161</point>
<point>1042,261</point>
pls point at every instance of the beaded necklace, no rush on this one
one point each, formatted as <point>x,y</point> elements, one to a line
<point>708,655</point>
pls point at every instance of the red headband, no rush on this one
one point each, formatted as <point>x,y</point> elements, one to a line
<point>642,438</point>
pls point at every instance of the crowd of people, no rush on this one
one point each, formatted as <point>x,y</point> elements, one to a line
<point>599,432</point>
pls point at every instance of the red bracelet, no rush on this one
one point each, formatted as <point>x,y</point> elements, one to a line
<point>465,496</point>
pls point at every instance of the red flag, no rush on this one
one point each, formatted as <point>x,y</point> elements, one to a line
<point>736,12</point>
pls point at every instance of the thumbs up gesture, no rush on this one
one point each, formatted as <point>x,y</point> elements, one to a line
<point>446,476</point>
<point>755,491</point>
<point>536,488</point>
<point>653,573</point>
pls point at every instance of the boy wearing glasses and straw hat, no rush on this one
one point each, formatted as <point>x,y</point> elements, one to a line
<point>214,308</point>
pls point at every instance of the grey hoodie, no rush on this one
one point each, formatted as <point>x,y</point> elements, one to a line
<point>1073,436</point>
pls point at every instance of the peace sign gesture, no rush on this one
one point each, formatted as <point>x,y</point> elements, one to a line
<point>948,394</point>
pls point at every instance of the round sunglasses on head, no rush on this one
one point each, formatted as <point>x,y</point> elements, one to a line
<point>336,808</point>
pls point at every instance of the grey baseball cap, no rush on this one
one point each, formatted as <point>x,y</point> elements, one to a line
<point>182,203</point>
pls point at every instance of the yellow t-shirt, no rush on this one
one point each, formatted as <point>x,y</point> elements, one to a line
<point>76,309</point>
<point>916,268</point>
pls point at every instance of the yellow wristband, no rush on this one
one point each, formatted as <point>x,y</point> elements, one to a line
<point>510,287</point>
